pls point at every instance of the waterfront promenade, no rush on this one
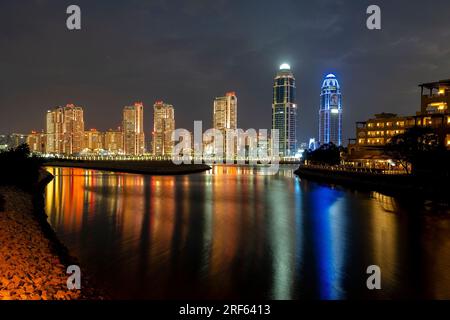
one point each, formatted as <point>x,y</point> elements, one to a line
<point>132,166</point>
<point>391,181</point>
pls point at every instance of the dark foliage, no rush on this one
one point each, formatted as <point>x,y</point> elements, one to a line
<point>420,147</point>
<point>326,154</point>
<point>18,168</point>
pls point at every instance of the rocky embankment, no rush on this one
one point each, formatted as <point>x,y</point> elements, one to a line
<point>32,262</point>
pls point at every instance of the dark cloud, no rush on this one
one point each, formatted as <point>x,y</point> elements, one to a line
<point>187,52</point>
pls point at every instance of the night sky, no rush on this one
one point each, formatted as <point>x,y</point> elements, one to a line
<point>187,52</point>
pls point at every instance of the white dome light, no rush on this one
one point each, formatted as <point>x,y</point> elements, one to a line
<point>331,76</point>
<point>285,66</point>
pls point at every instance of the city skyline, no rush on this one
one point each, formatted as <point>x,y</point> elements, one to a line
<point>225,151</point>
<point>98,69</point>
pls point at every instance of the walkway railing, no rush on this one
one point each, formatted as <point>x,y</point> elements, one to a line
<point>149,157</point>
<point>340,168</point>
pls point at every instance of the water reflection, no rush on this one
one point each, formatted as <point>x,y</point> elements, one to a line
<point>233,233</point>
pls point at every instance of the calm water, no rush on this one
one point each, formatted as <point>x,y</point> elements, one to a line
<point>231,233</point>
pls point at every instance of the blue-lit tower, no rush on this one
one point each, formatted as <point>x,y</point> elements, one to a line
<point>330,112</point>
<point>284,111</point>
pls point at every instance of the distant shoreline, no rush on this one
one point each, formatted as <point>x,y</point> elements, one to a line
<point>431,188</point>
<point>157,168</point>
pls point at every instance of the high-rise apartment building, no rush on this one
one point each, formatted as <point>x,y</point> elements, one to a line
<point>93,140</point>
<point>225,112</point>
<point>330,112</point>
<point>65,130</point>
<point>133,129</point>
<point>37,142</point>
<point>225,115</point>
<point>114,141</point>
<point>163,126</point>
<point>54,130</point>
<point>284,111</point>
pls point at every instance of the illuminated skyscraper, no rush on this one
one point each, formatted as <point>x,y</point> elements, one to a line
<point>54,130</point>
<point>133,129</point>
<point>163,126</point>
<point>65,130</point>
<point>93,140</point>
<point>114,141</point>
<point>284,110</point>
<point>330,112</point>
<point>225,114</point>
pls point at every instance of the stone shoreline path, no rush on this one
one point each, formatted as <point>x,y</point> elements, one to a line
<point>30,269</point>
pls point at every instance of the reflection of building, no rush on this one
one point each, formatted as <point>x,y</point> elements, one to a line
<point>113,141</point>
<point>225,115</point>
<point>163,126</point>
<point>284,110</point>
<point>37,142</point>
<point>65,130</point>
<point>93,140</point>
<point>133,129</point>
<point>376,132</point>
<point>330,112</point>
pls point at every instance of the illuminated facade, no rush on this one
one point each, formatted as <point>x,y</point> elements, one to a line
<point>65,130</point>
<point>225,115</point>
<point>54,130</point>
<point>330,112</point>
<point>113,141</point>
<point>163,126</point>
<point>378,131</point>
<point>225,112</point>
<point>37,142</point>
<point>133,129</point>
<point>93,141</point>
<point>284,111</point>
<point>435,97</point>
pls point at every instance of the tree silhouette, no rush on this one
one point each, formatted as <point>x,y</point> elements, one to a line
<point>328,154</point>
<point>18,167</point>
<point>407,148</point>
